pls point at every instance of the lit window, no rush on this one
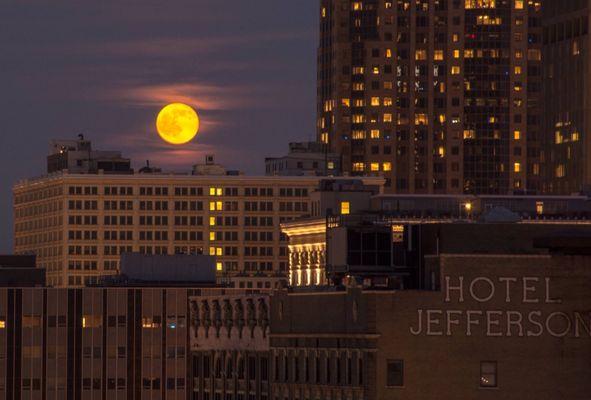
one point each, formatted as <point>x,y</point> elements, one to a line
<point>375,133</point>
<point>387,166</point>
<point>215,206</point>
<point>212,236</point>
<point>213,191</point>
<point>358,167</point>
<point>2,323</point>
<point>421,55</point>
<point>438,55</point>
<point>540,207</point>
<point>517,135</point>
<point>375,101</point>
<point>330,165</point>
<point>219,266</point>
<point>455,70</point>
<point>375,166</point>
<point>488,374</point>
<point>517,167</point>
<point>519,4</point>
<point>211,221</point>
<point>345,208</point>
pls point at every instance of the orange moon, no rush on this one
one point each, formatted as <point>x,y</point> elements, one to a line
<point>177,123</point>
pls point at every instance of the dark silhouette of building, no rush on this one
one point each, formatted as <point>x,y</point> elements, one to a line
<point>20,271</point>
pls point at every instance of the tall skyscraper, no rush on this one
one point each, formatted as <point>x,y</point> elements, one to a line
<point>438,96</point>
<point>567,92</point>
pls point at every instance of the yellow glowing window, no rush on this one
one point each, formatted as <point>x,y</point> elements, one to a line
<point>540,207</point>
<point>517,70</point>
<point>376,70</point>
<point>441,118</point>
<point>455,38</point>
<point>357,6</point>
<point>346,102</point>
<point>575,136</point>
<point>211,221</point>
<point>420,55</point>
<point>375,166</point>
<point>387,166</point>
<point>375,133</point>
<point>519,4</point>
<point>216,206</point>
<point>438,55</point>
<point>517,135</point>
<point>358,134</point>
<point>358,70</point>
<point>456,53</point>
<point>387,117</point>
<point>421,119</point>
<point>330,165</point>
<point>375,101</point>
<point>388,53</point>
<point>345,208</point>
<point>219,266</point>
<point>212,236</point>
<point>324,137</point>
<point>2,324</point>
<point>213,191</point>
<point>517,167</point>
<point>212,251</point>
<point>323,12</point>
<point>441,151</point>
<point>387,101</point>
<point>358,167</point>
<point>455,70</point>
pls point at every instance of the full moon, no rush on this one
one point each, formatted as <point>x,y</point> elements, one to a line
<point>177,123</point>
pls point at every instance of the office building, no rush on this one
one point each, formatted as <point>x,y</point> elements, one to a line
<point>78,225</point>
<point>436,96</point>
<point>567,57</point>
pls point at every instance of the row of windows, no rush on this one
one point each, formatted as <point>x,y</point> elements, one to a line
<point>185,191</point>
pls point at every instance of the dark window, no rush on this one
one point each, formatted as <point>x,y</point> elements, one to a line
<point>488,374</point>
<point>395,373</point>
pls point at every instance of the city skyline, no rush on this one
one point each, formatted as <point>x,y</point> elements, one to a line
<point>106,70</point>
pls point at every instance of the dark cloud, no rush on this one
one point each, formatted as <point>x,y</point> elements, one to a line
<point>104,68</point>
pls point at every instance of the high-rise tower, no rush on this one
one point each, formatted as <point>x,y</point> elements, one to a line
<point>439,96</point>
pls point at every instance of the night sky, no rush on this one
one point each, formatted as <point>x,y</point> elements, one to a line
<point>105,68</point>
